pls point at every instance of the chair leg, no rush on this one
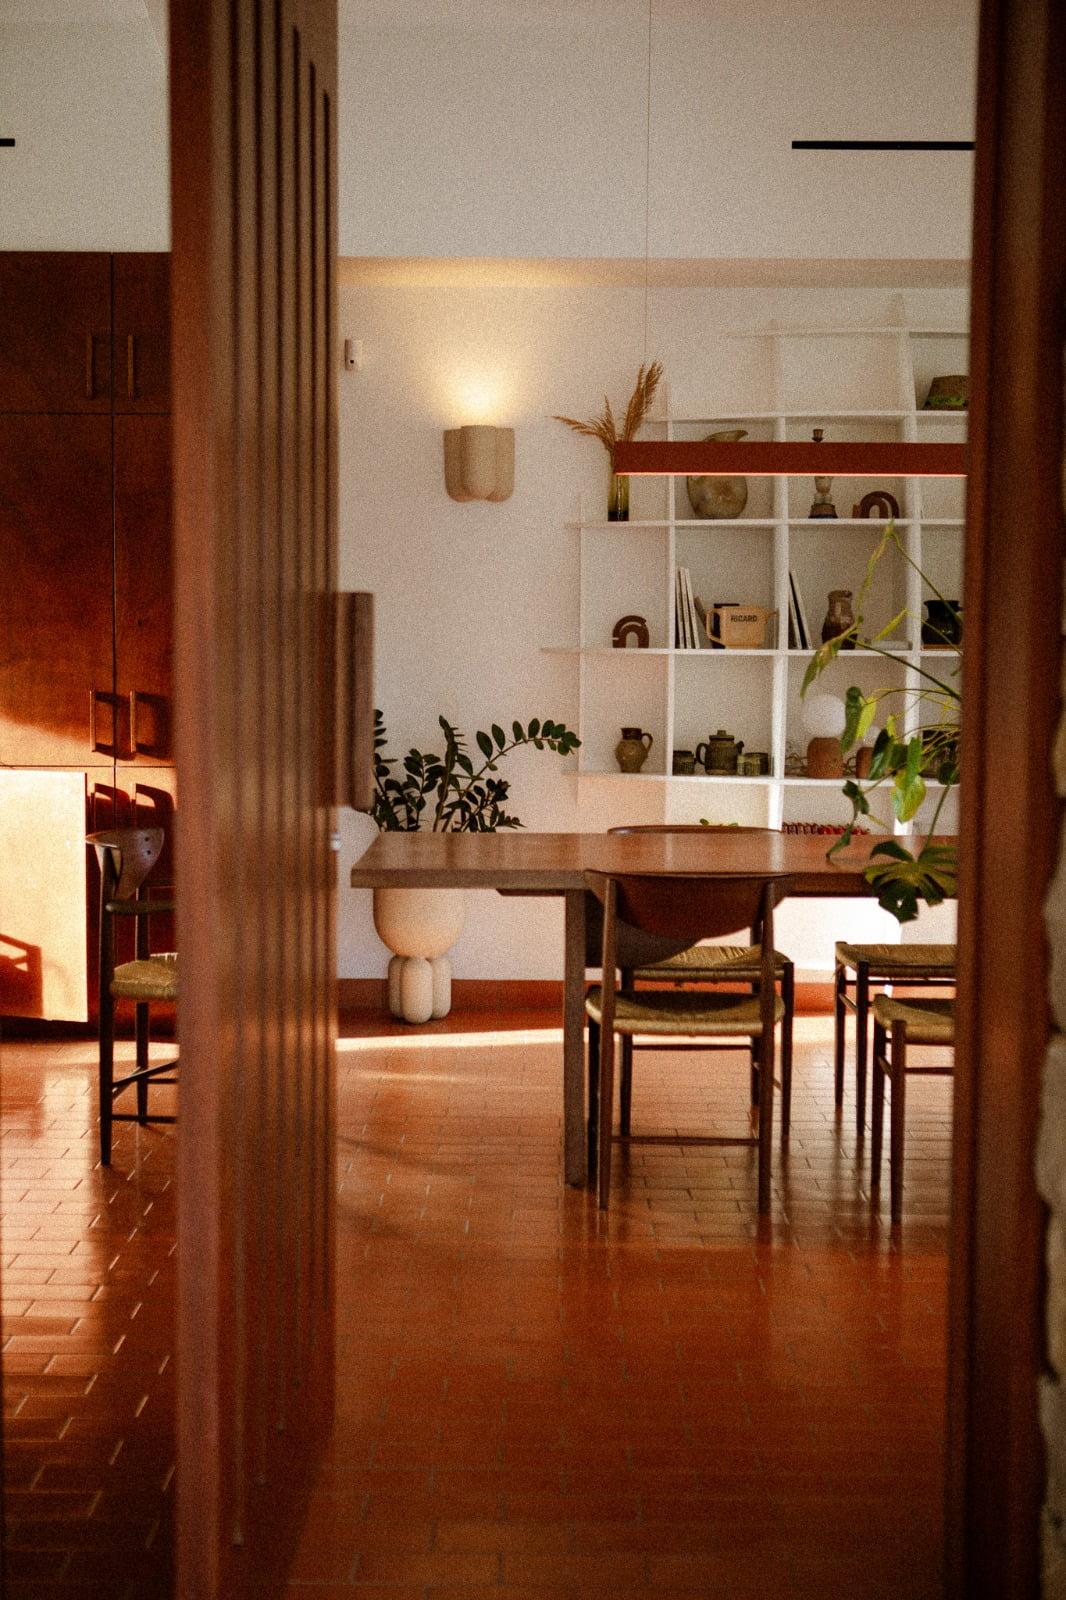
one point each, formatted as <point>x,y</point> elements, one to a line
<point>625,1087</point>
<point>606,1111</point>
<point>594,1099</point>
<point>788,995</point>
<point>899,1111</point>
<point>107,1074</point>
<point>754,1060</point>
<point>878,1105</point>
<point>862,1043</point>
<point>840,987</point>
<point>141,1025</point>
<point>766,1118</point>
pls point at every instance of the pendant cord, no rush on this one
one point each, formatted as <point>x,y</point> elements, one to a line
<point>647,183</point>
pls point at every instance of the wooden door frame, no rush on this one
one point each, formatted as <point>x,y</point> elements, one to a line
<point>1010,811</point>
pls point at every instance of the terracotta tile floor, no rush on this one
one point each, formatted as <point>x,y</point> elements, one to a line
<point>532,1403</point>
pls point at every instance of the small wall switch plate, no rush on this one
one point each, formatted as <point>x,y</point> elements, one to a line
<point>353,355</point>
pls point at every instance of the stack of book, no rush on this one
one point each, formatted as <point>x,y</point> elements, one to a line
<point>799,633</point>
<point>688,630</point>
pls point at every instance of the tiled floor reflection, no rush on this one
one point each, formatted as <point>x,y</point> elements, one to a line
<point>536,1405</point>
<point>87,1325</point>
<point>532,1404</point>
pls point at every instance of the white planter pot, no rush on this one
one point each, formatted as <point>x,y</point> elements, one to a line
<point>419,926</point>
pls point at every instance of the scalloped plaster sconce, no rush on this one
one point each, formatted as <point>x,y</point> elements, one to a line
<point>479,463</point>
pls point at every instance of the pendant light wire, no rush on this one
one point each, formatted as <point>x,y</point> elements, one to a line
<point>647,181</point>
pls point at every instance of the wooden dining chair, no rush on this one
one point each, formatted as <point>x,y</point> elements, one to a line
<point>689,908</point>
<point>901,966</point>
<point>126,857</point>
<point>898,1024</point>
<point>707,965</point>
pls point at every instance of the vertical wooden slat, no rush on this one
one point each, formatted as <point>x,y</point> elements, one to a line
<point>1010,815</point>
<point>253,266</point>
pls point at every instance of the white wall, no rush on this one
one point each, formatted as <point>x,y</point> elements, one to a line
<point>468,594</point>
<point>83,93</point>
<point>517,127</point>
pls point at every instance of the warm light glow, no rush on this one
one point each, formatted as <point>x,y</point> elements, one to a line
<point>475,391</point>
<point>448,1041</point>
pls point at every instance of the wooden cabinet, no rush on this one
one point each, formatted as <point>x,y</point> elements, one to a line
<point>141,333</point>
<point>55,332</point>
<point>143,587</point>
<point>85,596</point>
<point>56,561</point>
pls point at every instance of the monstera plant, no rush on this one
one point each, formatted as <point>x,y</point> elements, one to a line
<point>918,743</point>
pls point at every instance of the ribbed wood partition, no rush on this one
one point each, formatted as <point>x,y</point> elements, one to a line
<point>253,86</point>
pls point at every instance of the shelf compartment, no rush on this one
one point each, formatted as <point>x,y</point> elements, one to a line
<point>739,700</point>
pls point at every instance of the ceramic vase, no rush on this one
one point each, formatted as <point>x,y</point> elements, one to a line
<point>419,926</point>
<point>719,498</point>
<point>839,618</point>
<point>618,498</point>
<point>631,751</point>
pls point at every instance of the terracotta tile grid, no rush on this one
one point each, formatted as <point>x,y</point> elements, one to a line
<point>533,1401</point>
<point>87,1337</point>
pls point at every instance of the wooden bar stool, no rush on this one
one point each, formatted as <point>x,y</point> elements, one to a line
<point>898,1024</point>
<point>904,966</point>
<point>126,857</point>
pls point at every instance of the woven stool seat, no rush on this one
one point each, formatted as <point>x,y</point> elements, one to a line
<point>927,1021</point>
<point>684,1013</point>
<point>899,960</point>
<point>155,978</point>
<point>719,961</point>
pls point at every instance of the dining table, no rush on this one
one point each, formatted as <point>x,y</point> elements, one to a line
<point>527,863</point>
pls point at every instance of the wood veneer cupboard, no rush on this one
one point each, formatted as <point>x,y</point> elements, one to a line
<point>85,601</point>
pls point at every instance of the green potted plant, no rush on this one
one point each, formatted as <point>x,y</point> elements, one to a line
<point>457,792</point>
<point>918,743</point>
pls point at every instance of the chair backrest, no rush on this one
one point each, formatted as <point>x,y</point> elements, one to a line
<point>703,906</point>
<point>126,857</point>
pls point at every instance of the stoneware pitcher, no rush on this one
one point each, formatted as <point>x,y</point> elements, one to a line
<point>631,751</point>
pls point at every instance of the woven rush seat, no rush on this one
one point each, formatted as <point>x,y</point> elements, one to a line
<point>899,960</point>
<point>154,978</point>
<point>927,1021</point>
<point>683,1014</point>
<point>720,961</point>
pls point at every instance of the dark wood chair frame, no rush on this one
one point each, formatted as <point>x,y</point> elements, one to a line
<point>788,995</point>
<point>890,1063</point>
<point>866,983</point>
<point>693,908</point>
<point>126,857</point>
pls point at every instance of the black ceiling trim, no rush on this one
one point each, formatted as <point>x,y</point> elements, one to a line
<point>882,144</point>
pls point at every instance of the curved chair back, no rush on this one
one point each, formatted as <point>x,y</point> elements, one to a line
<point>690,908</point>
<point>126,857</point>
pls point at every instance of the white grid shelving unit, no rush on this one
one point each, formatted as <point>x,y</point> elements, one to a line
<point>873,381</point>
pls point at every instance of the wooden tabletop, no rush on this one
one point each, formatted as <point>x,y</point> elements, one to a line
<point>554,862</point>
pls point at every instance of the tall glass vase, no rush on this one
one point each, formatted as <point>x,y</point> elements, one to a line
<point>618,498</point>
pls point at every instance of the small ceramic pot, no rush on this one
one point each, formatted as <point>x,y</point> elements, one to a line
<point>631,751</point>
<point>719,498</point>
<point>824,759</point>
<point>942,627</point>
<point>684,763</point>
<point>753,764</point>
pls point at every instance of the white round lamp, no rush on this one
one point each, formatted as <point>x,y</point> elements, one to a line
<point>824,716</point>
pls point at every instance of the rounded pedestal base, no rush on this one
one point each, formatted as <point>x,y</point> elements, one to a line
<point>420,990</point>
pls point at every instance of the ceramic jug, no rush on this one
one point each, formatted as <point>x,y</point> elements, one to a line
<point>839,618</point>
<point>720,753</point>
<point>631,751</point>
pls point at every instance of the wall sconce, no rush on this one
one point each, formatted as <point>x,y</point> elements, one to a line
<point>479,463</point>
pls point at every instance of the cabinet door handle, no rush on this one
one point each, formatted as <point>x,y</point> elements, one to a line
<point>131,366</point>
<point>90,379</point>
<point>95,696</point>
